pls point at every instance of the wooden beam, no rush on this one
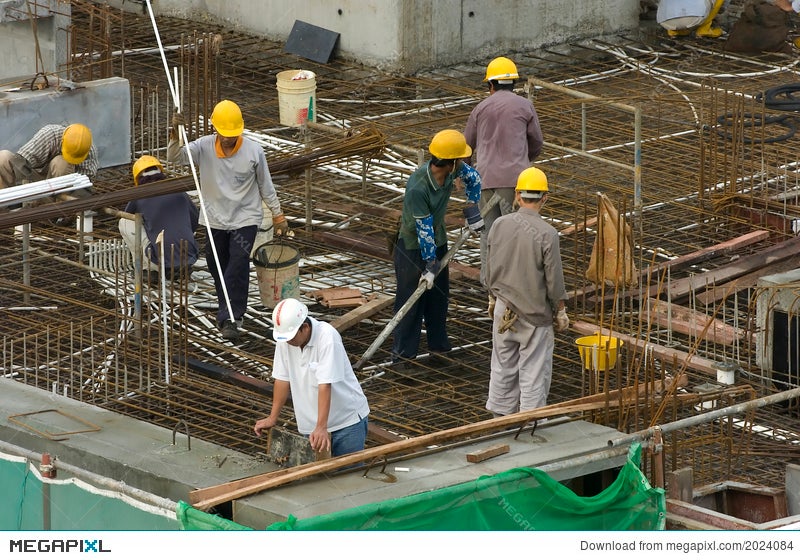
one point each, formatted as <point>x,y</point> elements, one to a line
<point>708,253</point>
<point>713,295</point>
<point>362,312</point>
<point>680,289</point>
<point>692,323</point>
<point>208,497</point>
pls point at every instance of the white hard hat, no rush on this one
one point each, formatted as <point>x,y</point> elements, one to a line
<point>287,317</point>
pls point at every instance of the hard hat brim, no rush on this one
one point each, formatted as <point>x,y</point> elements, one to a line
<point>285,336</point>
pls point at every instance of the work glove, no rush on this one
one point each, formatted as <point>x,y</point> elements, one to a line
<point>22,169</point>
<point>474,219</point>
<point>562,320</point>
<point>281,226</point>
<point>490,308</point>
<point>178,121</point>
<point>431,270</point>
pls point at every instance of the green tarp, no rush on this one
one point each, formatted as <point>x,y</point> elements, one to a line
<point>518,499</point>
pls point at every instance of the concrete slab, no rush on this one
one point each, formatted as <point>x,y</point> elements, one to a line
<point>140,454</point>
<point>546,449</point>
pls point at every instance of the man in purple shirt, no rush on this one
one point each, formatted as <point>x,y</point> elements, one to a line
<point>503,132</point>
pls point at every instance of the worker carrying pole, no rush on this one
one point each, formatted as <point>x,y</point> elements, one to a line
<point>420,251</point>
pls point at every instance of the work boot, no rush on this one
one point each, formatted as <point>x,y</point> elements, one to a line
<point>229,330</point>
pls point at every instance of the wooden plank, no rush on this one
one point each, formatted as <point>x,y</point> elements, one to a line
<point>713,295</point>
<point>205,498</point>
<point>692,323</point>
<point>708,253</point>
<point>692,362</point>
<point>680,289</point>
<point>488,453</point>
<point>365,311</point>
<point>578,227</point>
<point>345,302</point>
<point>335,293</point>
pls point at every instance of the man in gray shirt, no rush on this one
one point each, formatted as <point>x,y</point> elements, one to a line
<point>525,275</point>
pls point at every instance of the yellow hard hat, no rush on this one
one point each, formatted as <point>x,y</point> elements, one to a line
<point>144,163</point>
<point>76,143</point>
<point>449,144</point>
<point>501,69</point>
<point>227,118</point>
<point>532,179</point>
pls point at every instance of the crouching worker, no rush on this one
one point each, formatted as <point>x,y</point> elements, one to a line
<point>312,364</point>
<point>54,151</point>
<point>175,214</point>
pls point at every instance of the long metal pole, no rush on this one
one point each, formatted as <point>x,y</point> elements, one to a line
<point>421,289</point>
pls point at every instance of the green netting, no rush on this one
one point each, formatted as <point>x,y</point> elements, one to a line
<point>69,504</point>
<point>192,519</point>
<point>518,499</point>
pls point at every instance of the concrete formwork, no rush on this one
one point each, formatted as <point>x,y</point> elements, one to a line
<point>43,51</point>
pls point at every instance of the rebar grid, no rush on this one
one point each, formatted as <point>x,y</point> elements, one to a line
<point>697,173</point>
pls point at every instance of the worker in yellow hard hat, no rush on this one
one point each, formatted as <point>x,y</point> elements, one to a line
<point>525,279</point>
<point>174,214</point>
<point>422,243</point>
<point>504,132</point>
<point>54,151</point>
<point>234,180</point>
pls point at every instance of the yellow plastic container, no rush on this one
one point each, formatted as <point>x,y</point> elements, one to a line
<point>598,352</point>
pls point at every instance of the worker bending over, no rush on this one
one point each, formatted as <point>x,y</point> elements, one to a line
<point>312,364</point>
<point>54,151</point>
<point>174,214</point>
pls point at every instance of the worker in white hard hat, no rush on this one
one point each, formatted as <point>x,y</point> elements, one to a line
<point>174,214</point>
<point>526,280</point>
<point>504,132</point>
<point>312,365</point>
<point>422,243</point>
<point>234,179</point>
<point>681,17</point>
<point>54,151</point>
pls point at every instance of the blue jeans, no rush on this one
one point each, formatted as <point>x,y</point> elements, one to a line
<point>349,439</point>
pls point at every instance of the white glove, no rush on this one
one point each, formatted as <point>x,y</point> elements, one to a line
<point>562,320</point>
<point>431,270</point>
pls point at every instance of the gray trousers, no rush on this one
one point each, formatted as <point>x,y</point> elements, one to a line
<point>522,365</point>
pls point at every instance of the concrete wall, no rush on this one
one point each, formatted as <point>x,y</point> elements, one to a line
<point>18,38</point>
<point>102,105</point>
<point>410,35</point>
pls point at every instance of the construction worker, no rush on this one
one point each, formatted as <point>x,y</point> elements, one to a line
<point>54,151</point>
<point>504,132</point>
<point>234,179</point>
<point>526,279</point>
<point>680,17</point>
<point>312,364</point>
<point>173,214</point>
<point>422,242</point>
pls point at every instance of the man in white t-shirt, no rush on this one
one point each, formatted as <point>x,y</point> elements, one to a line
<point>312,363</point>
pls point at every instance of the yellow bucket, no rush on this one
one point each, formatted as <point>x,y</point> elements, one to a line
<point>598,352</point>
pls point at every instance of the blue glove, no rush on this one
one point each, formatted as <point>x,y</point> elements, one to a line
<point>431,270</point>
<point>474,219</point>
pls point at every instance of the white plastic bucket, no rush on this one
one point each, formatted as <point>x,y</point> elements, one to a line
<point>297,97</point>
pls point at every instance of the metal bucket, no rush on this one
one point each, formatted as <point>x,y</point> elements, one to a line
<point>278,272</point>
